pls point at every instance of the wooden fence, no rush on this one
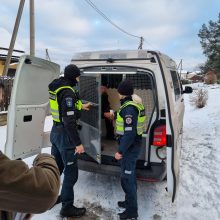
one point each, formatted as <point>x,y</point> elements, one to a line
<point>8,83</point>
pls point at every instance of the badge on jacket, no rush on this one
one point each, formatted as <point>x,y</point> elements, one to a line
<point>69,102</point>
<point>128,119</point>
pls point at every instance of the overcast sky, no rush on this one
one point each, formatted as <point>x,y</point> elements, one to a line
<point>69,26</point>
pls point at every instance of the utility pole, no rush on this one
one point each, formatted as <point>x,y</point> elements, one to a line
<point>13,38</point>
<point>141,43</point>
<point>180,67</point>
<point>47,55</point>
<point>32,29</point>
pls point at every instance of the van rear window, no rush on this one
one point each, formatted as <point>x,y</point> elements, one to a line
<point>176,84</point>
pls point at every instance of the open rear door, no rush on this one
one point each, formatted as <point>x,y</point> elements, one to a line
<point>174,127</point>
<point>90,135</point>
<point>29,106</point>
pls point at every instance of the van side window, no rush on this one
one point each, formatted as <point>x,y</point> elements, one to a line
<point>176,84</point>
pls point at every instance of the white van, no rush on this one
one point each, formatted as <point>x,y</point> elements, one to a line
<point>155,80</point>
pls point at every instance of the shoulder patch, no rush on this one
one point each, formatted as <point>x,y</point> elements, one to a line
<point>128,120</point>
<point>69,102</point>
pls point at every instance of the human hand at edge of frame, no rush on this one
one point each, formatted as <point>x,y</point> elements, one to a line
<point>86,106</point>
<point>79,149</point>
<point>118,156</point>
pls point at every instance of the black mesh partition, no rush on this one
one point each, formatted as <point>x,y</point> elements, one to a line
<point>143,87</point>
<point>89,92</point>
<point>89,89</point>
<point>140,81</point>
<point>90,117</point>
<point>90,120</point>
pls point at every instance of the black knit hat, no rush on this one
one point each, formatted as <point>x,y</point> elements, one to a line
<point>71,72</point>
<point>125,88</point>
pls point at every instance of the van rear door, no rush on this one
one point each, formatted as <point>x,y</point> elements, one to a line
<point>29,106</point>
<point>174,131</point>
<point>90,121</point>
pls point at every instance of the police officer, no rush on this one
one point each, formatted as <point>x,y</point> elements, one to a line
<point>66,144</point>
<point>130,121</point>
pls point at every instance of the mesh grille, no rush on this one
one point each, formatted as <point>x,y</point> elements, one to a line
<point>140,81</point>
<point>143,88</point>
<point>89,92</point>
<point>90,117</point>
<point>89,89</point>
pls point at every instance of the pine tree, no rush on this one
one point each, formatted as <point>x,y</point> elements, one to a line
<point>210,41</point>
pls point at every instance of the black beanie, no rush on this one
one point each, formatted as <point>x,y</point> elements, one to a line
<point>71,72</point>
<point>125,88</point>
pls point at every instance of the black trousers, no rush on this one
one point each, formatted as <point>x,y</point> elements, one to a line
<point>128,177</point>
<point>64,152</point>
<point>109,128</point>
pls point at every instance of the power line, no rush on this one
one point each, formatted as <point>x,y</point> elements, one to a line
<point>115,25</point>
<point>109,20</point>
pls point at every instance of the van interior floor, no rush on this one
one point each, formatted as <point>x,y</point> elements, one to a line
<point>109,147</point>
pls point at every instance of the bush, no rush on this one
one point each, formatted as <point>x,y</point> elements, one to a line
<point>199,98</point>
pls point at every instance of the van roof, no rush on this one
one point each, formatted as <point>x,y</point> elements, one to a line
<point>113,54</point>
<point>122,55</point>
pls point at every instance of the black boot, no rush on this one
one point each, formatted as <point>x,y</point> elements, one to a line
<point>129,216</point>
<point>122,204</point>
<point>72,211</point>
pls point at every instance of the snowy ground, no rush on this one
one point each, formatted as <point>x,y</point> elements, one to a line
<point>199,190</point>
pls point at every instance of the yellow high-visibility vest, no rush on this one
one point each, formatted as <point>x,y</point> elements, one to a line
<point>141,118</point>
<point>54,103</point>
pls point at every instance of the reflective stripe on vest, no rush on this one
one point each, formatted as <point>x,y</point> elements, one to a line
<point>141,118</point>
<point>54,106</point>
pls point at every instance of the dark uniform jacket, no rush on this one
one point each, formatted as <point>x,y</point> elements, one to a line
<point>67,110</point>
<point>25,190</point>
<point>130,116</point>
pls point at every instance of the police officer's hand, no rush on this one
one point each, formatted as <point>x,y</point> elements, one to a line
<point>112,114</point>
<point>109,115</point>
<point>86,106</point>
<point>79,149</point>
<point>118,156</point>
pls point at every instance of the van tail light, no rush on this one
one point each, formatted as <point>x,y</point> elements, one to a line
<point>160,138</point>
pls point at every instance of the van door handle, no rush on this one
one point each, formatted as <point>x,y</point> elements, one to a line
<point>182,100</point>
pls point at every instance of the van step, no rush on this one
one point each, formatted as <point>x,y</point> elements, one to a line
<point>154,172</point>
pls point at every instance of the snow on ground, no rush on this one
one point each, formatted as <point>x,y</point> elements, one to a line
<point>198,195</point>
<point>199,191</point>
